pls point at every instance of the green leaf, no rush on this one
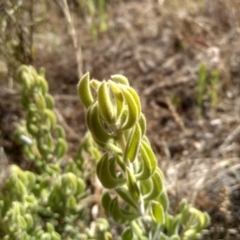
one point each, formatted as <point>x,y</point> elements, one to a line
<point>55,236</point>
<point>20,221</point>
<point>95,84</point>
<point>175,237</point>
<point>133,144</point>
<point>133,106</point>
<point>84,91</point>
<point>142,123</point>
<point>157,186</point>
<point>46,236</point>
<point>41,81</point>
<point>148,164</point>
<point>106,201</point>
<point>50,103</point>
<point>173,224</point>
<point>127,234</point>
<point>61,148</point>
<point>124,193</point>
<point>99,133</point>
<point>190,234</point>
<point>119,99</point>
<point>132,185</point>
<point>118,78</point>
<point>121,215</point>
<point>51,117</point>
<point>157,212</point>
<point>185,215</point>
<point>69,183</point>
<point>163,200</point>
<point>71,202</point>
<point>105,176</point>
<point>29,221</point>
<point>105,103</point>
<point>40,101</point>
<point>49,227</point>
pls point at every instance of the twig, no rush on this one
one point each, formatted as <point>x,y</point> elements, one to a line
<point>175,115</point>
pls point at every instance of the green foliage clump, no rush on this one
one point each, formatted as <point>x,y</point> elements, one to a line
<point>48,201</point>
<point>45,202</point>
<point>134,193</point>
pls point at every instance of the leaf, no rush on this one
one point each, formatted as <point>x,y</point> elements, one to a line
<point>148,164</point>
<point>105,176</point>
<point>127,234</point>
<point>157,212</point>
<point>132,185</point>
<point>157,186</point>
<point>118,78</point>
<point>163,200</point>
<point>142,123</point>
<point>84,91</point>
<point>60,148</point>
<point>121,215</point>
<point>106,201</point>
<point>95,125</point>
<point>119,99</point>
<point>105,103</point>
<point>50,103</point>
<point>124,193</point>
<point>133,106</point>
<point>133,144</point>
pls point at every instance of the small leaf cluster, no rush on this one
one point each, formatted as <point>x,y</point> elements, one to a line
<point>44,139</point>
<point>46,202</point>
<point>134,194</point>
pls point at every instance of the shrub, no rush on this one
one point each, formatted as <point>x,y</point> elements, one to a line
<point>47,201</point>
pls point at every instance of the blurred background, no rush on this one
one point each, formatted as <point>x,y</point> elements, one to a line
<point>182,57</point>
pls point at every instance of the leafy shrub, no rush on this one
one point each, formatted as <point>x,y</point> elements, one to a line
<point>136,196</point>
<point>47,202</point>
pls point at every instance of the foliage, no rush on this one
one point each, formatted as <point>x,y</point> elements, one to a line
<point>45,202</point>
<point>134,193</point>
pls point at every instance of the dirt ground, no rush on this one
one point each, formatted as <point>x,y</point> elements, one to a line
<point>160,46</point>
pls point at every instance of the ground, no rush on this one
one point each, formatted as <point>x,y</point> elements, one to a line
<point>161,47</point>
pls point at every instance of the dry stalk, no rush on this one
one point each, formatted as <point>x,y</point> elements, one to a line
<point>175,115</point>
<point>72,32</point>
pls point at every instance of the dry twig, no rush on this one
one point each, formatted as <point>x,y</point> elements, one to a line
<point>77,47</point>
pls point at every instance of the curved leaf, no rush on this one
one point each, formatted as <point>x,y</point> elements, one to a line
<point>84,91</point>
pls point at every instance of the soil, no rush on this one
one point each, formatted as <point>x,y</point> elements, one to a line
<point>160,48</point>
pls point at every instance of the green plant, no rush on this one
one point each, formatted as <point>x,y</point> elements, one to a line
<point>134,193</point>
<point>46,202</point>
<point>214,91</point>
<point>201,84</point>
<point>96,14</point>
<point>207,86</point>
